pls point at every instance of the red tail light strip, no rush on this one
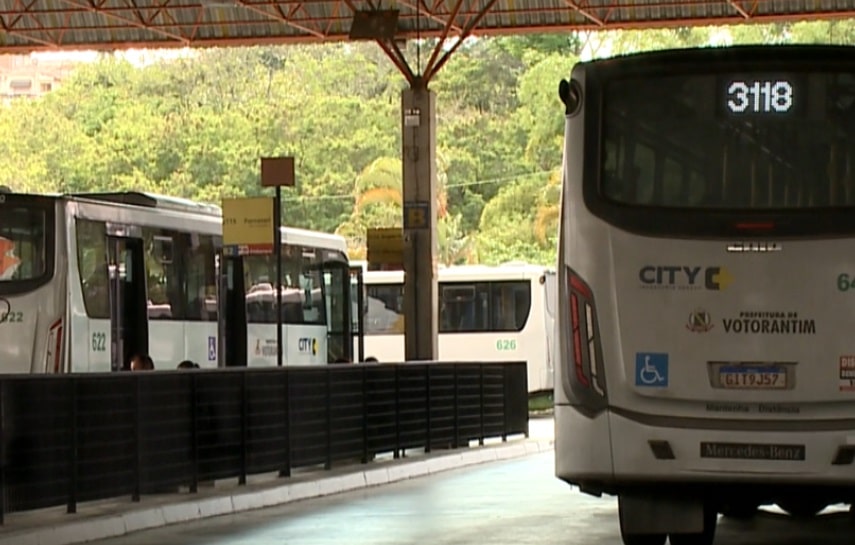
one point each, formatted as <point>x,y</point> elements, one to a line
<point>577,340</point>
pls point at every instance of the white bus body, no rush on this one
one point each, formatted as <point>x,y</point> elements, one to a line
<point>486,313</point>
<point>705,274</point>
<point>70,265</point>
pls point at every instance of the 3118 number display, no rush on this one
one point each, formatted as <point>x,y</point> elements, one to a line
<point>760,97</point>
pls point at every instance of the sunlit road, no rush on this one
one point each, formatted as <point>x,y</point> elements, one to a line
<point>515,503</point>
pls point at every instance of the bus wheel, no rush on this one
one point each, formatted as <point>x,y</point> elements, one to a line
<point>802,507</point>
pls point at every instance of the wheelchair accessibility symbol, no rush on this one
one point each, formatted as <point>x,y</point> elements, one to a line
<point>651,369</point>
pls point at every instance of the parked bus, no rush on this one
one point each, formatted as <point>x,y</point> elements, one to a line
<point>86,281</point>
<point>485,314</point>
<point>707,226</point>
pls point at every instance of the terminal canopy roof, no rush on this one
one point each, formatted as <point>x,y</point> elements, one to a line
<point>29,25</point>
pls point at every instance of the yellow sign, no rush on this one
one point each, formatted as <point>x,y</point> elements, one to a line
<point>248,221</point>
<point>386,246</point>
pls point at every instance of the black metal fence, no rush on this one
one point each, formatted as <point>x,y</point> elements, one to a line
<point>73,438</point>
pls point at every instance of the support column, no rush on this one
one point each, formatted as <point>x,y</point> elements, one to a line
<point>418,124</point>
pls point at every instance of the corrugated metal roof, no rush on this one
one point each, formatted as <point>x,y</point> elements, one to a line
<point>88,24</point>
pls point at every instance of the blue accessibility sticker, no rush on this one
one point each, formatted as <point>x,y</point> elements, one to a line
<point>212,349</point>
<point>651,369</point>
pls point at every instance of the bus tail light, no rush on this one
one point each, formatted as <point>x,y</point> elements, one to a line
<point>53,354</point>
<point>584,348</point>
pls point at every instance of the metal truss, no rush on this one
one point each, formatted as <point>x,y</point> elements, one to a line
<point>29,25</point>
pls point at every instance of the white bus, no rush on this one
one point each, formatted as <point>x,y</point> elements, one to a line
<point>707,362</point>
<point>486,313</point>
<point>87,281</point>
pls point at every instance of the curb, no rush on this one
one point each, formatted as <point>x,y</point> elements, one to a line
<point>139,517</point>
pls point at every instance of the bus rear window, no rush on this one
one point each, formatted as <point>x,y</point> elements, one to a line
<point>22,244</point>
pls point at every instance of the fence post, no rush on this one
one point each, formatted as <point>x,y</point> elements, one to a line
<point>243,426</point>
<point>481,404</point>
<point>455,443</point>
<point>194,434</point>
<point>328,462</point>
<point>398,451</point>
<point>137,437</point>
<point>286,387</point>
<point>505,381</point>
<point>364,414</point>
<point>72,458</point>
<point>428,406</point>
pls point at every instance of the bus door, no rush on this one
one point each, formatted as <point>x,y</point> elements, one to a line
<point>127,295</point>
<point>337,276</point>
<point>232,322</point>
<point>359,307</point>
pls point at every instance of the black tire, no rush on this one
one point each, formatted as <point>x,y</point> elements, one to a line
<point>639,539</point>
<point>643,539</point>
<point>706,537</point>
<point>802,507</point>
<point>703,538</point>
<point>741,511</point>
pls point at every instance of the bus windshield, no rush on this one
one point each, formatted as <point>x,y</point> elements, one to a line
<point>22,243</point>
<point>730,139</point>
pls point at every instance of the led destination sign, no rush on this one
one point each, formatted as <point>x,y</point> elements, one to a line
<point>760,96</point>
<point>770,95</point>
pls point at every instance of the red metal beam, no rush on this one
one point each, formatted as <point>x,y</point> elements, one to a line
<point>94,8</point>
<point>392,51</point>
<point>279,16</point>
<point>197,23</point>
<point>419,8</point>
<point>583,11</point>
<point>53,30</point>
<point>398,59</point>
<point>24,9</point>
<point>439,44</point>
<point>467,31</point>
<point>735,5</point>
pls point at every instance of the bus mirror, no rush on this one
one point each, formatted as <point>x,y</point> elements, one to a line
<point>571,95</point>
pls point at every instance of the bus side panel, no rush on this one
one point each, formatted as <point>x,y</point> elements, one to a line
<point>261,345</point>
<point>166,342</point>
<point>584,456</point>
<point>307,344</point>
<point>301,345</point>
<point>386,348</point>
<point>200,343</point>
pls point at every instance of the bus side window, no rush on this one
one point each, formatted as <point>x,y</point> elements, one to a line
<point>163,283</point>
<point>200,283</point>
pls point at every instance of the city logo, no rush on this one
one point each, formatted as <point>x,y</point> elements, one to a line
<point>699,321</point>
<point>683,277</point>
<point>651,369</point>
<point>308,345</point>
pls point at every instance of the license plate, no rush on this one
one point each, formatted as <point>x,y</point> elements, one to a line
<point>753,378</point>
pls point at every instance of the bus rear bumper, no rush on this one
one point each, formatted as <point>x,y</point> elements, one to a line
<point>610,452</point>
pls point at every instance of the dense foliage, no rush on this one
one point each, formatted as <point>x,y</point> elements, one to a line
<point>196,126</point>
